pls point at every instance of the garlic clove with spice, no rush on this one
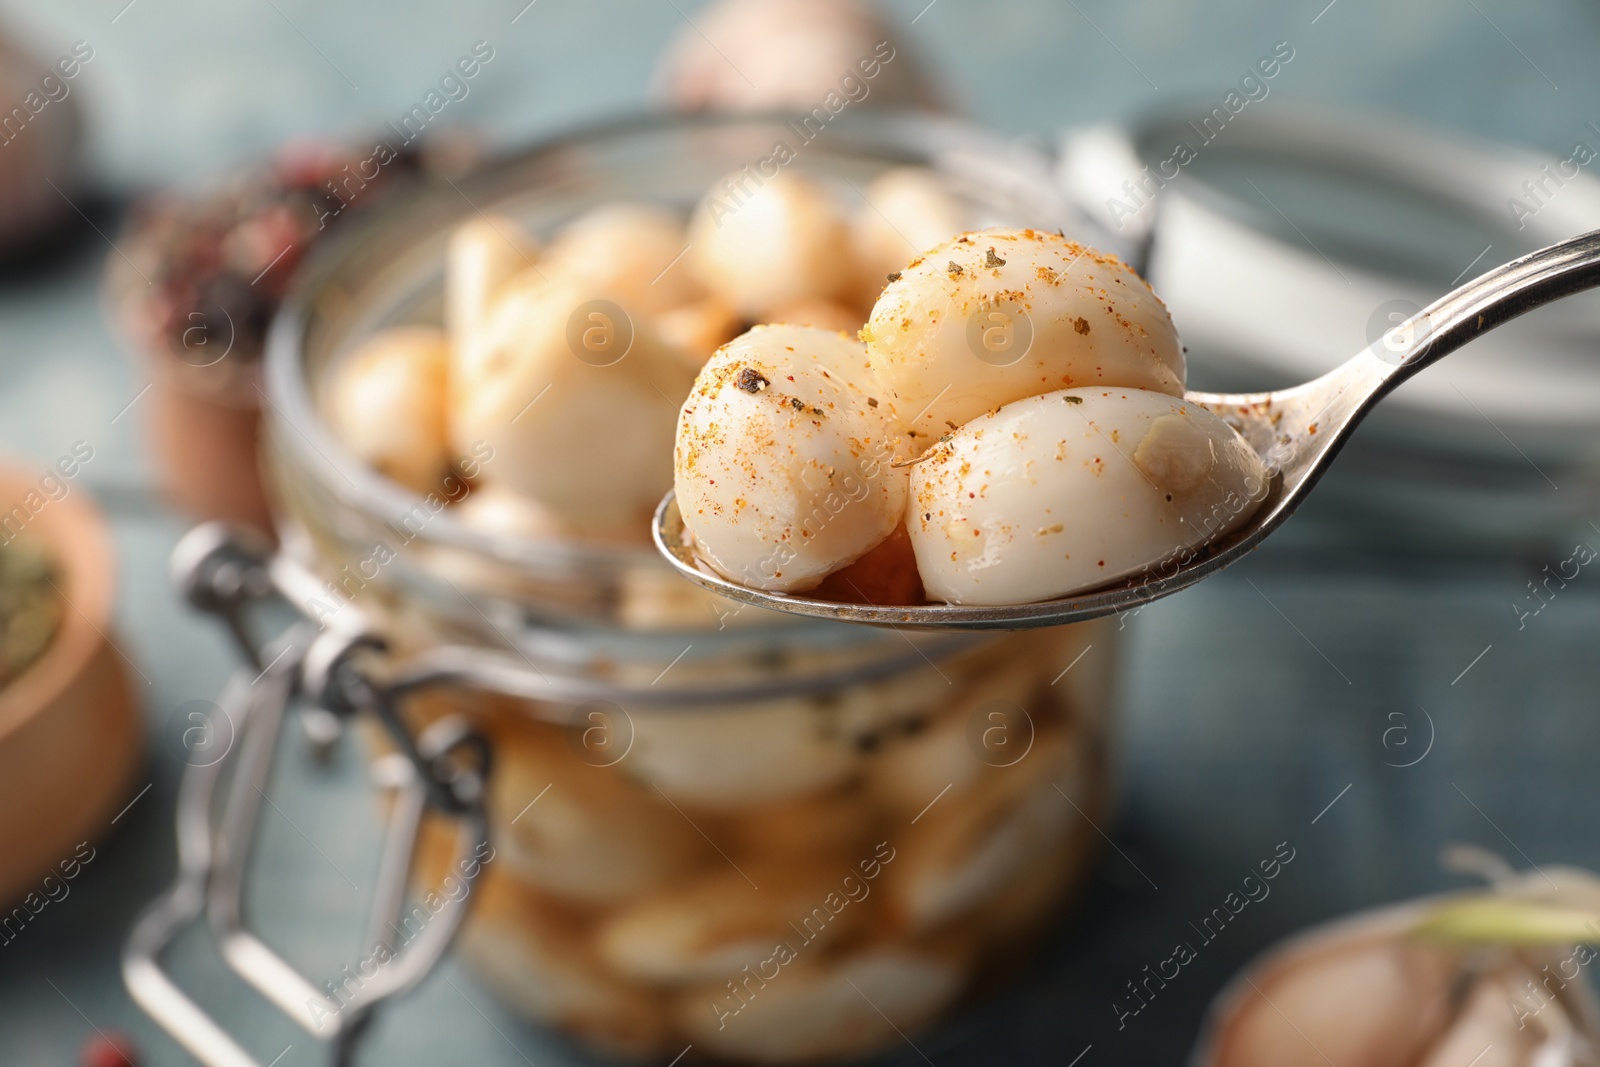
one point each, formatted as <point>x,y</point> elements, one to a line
<point>784,461</point>
<point>1069,490</point>
<point>995,316</point>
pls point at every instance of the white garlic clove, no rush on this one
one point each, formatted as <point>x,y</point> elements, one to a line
<point>784,458</point>
<point>957,858</point>
<point>765,241</point>
<point>1070,490</point>
<point>830,831</point>
<point>711,927</point>
<point>697,330</point>
<point>484,253</point>
<point>577,398</point>
<point>632,253</point>
<point>998,315</point>
<point>734,758</point>
<point>905,212</point>
<point>540,958</point>
<point>386,402</point>
<point>566,823</point>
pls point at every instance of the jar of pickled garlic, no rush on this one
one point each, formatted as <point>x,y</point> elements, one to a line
<point>777,841</point>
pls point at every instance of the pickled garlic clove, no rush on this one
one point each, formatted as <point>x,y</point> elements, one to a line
<point>710,927</point>
<point>483,254</point>
<point>815,1008</point>
<point>698,329</point>
<point>576,398</point>
<point>995,316</point>
<point>784,459</point>
<point>762,243</point>
<point>905,212</point>
<point>1069,490</point>
<point>386,402</point>
<point>632,253</point>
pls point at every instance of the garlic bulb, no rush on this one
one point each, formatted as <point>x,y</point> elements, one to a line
<point>1473,978</point>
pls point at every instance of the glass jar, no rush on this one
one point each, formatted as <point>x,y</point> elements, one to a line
<point>776,840</point>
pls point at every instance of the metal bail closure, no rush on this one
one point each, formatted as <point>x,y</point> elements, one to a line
<point>444,768</point>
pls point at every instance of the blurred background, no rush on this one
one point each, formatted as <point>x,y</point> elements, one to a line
<point>1256,709</point>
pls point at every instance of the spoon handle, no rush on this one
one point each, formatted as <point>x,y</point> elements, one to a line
<point>1500,295</point>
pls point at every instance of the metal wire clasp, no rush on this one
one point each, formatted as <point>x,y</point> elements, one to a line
<point>341,671</point>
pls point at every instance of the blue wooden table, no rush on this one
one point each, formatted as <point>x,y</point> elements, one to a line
<point>1258,708</point>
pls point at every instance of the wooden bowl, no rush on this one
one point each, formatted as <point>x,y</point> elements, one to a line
<point>70,739</point>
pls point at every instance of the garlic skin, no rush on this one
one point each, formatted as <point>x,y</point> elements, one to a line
<point>997,315</point>
<point>784,458</point>
<point>761,243</point>
<point>630,252</point>
<point>581,432</point>
<point>1074,489</point>
<point>905,210</point>
<point>1460,978</point>
<point>386,402</point>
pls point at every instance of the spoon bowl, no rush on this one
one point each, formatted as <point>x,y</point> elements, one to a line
<point>1297,431</point>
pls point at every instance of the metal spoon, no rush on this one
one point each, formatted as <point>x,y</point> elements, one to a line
<point>1298,431</point>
